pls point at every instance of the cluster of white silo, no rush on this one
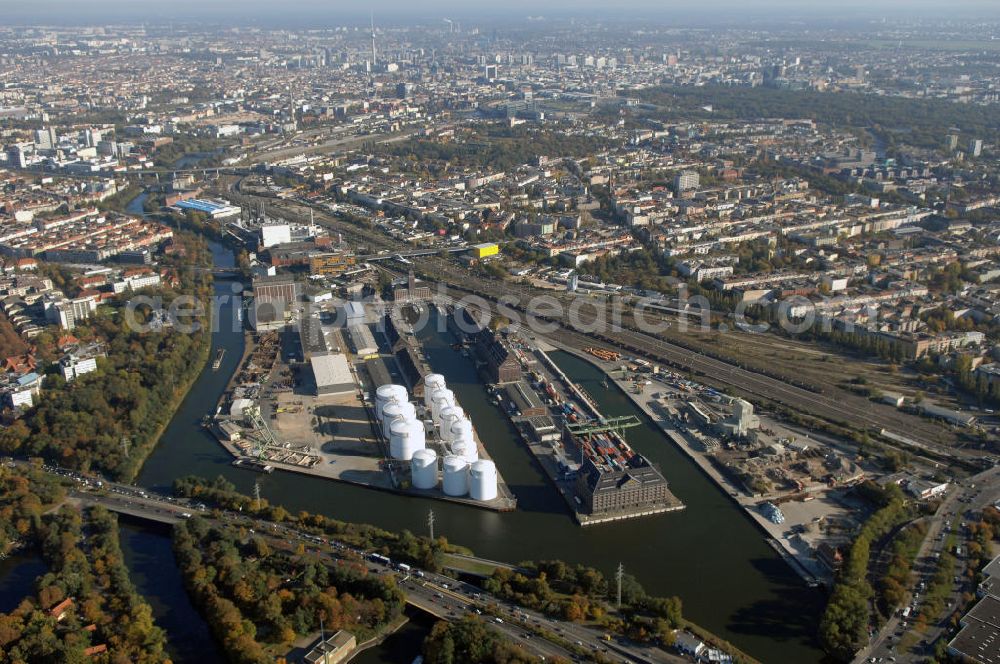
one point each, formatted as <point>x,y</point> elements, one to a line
<point>387,394</point>
<point>424,469</point>
<point>398,418</point>
<point>483,480</point>
<point>455,476</point>
<point>463,472</point>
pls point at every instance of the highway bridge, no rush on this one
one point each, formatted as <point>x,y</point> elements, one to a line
<point>442,596</point>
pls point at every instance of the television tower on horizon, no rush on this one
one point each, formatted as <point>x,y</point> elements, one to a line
<point>371,70</point>
<point>373,38</point>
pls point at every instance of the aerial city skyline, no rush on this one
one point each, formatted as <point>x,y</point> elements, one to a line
<point>540,332</point>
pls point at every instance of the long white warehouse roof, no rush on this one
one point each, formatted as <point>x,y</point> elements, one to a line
<point>331,369</point>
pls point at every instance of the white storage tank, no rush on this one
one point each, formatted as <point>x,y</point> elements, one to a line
<point>465,449</point>
<point>424,469</point>
<point>461,431</point>
<point>449,416</point>
<point>406,436</point>
<point>455,476</point>
<point>441,399</point>
<point>395,410</point>
<point>432,383</point>
<point>387,393</point>
<point>483,480</point>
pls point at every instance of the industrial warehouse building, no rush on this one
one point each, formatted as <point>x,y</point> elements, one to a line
<point>311,337</point>
<point>330,265</point>
<point>352,313</point>
<point>979,638</point>
<point>275,289</point>
<point>525,399</point>
<point>332,374</point>
<point>214,209</point>
<point>636,486</point>
<point>363,340</point>
<point>503,367</point>
<point>485,250</point>
<point>273,298</point>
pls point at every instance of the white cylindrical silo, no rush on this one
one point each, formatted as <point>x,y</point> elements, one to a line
<point>441,399</point>
<point>432,383</point>
<point>386,393</point>
<point>423,469</point>
<point>406,436</point>
<point>455,476</point>
<point>483,480</point>
<point>466,449</point>
<point>461,430</point>
<point>394,410</point>
<point>448,417</point>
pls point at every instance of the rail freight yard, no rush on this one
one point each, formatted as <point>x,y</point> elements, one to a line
<point>305,400</point>
<point>796,485</point>
<point>584,453</point>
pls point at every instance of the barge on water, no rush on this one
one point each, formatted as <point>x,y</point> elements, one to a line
<point>252,464</point>
<point>218,359</point>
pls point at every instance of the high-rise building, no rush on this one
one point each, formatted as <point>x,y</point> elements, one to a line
<point>976,147</point>
<point>404,90</point>
<point>47,138</point>
<point>490,72</point>
<point>92,137</point>
<point>16,156</point>
<point>686,181</point>
<point>951,142</point>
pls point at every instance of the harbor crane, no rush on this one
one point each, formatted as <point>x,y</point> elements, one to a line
<point>616,424</point>
<point>264,435</point>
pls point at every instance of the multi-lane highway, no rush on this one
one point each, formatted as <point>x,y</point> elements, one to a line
<point>439,595</point>
<point>965,499</point>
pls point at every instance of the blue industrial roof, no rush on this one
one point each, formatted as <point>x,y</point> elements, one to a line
<point>200,205</point>
<point>27,379</point>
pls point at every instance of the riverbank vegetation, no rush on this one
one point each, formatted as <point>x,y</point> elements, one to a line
<point>86,607</point>
<point>402,547</point>
<point>584,595</point>
<point>24,497</point>
<point>258,599</point>
<point>109,420</point>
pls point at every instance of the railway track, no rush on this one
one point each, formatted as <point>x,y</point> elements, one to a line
<point>845,409</point>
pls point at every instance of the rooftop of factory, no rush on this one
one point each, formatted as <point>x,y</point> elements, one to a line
<point>979,639</point>
<point>331,369</point>
<point>211,207</point>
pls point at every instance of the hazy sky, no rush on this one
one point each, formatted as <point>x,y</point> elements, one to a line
<point>330,11</point>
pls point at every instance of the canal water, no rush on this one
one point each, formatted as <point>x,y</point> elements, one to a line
<point>403,645</point>
<point>150,560</point>
<point>710,554</point>
<point>17,578</point>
